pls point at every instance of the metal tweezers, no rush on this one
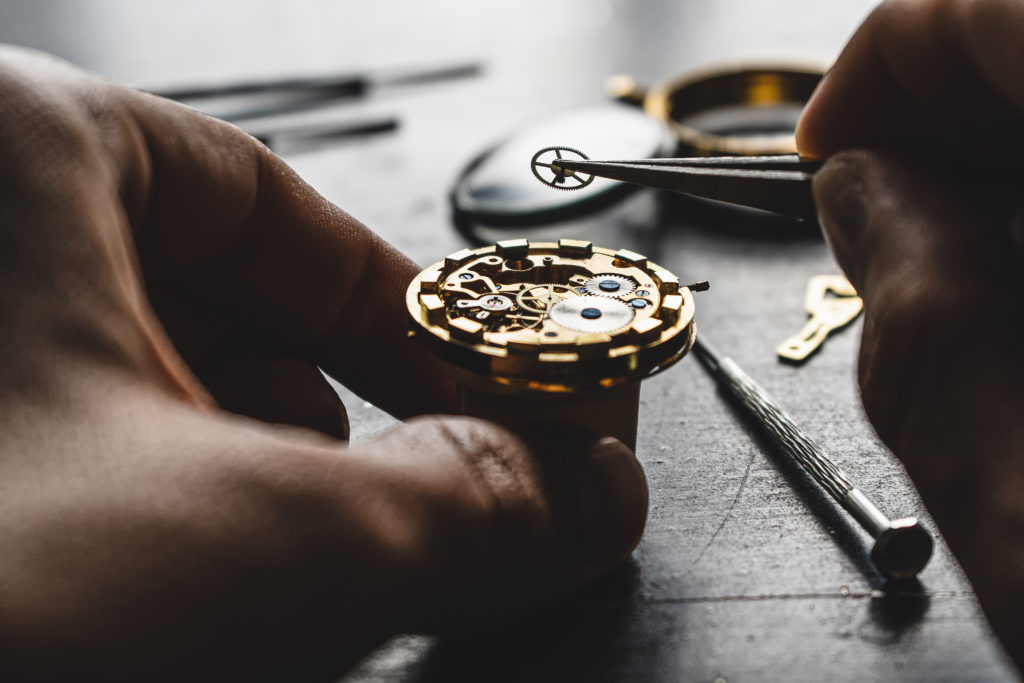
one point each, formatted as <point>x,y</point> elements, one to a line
<point>300,94</point>
<point>780,184</point>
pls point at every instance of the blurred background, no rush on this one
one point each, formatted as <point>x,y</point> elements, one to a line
<point>153,43</point>
<point>536,57</point>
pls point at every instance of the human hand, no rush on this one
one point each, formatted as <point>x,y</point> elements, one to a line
<point>938,257</point>
<point>155,262</point>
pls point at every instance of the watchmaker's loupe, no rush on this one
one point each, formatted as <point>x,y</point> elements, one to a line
<point>734,110</point>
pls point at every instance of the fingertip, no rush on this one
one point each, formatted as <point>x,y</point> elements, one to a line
<point>810,128</point>
<point>841,196</point>
<point>807,146</point>
<point>614,498</point>
<point>598,496</point>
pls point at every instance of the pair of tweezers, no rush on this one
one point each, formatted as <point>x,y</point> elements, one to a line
<point>300,94</point>
<point>780,184</point>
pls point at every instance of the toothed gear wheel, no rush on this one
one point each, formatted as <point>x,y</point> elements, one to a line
<point>540,298</point>
<point>615,286</point>
<point>558,178</point>
<point>591,314</point>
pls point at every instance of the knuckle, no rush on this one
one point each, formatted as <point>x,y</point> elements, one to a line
<point>46,116</point>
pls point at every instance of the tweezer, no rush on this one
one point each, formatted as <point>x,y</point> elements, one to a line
<point>780,183</point>
<point>307,93</point>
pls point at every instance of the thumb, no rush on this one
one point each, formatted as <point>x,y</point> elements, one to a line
<point>936,260</point>
<point>931,262</point>
<point>252,552</point>
<point>488,524</point>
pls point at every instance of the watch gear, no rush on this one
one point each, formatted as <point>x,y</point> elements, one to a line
<point>544,167</point>
<point>541,298</point>
<point>609,284</point>
<point>592,314</point>
<point>495,302</point>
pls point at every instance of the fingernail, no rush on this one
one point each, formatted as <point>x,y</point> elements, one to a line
<point>613,504</point>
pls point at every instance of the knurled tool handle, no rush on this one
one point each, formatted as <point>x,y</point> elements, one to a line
<point>784,431</point>
<point>902,547</point>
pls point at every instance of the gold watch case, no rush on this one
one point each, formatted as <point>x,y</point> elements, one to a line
<point>549,317</point>
<point>552,331</point>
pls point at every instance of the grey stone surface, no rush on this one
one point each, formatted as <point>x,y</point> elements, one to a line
<point>747,571</point>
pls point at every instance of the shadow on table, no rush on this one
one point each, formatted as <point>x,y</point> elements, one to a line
<point>733,222</point>
<point>903,606</point>
<point>641,220</point>
<point>827,514</point>
<point>586,638</point>
<point>900,604</point>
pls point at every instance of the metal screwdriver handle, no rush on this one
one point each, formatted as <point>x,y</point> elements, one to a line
<point>902,547</point>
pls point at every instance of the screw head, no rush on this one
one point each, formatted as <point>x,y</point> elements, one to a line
<point>902,551</point>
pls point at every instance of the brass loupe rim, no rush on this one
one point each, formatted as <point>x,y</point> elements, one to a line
<point>743,84</point>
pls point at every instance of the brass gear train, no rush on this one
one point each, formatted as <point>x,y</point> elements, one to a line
<point>510,316</point>
<point>541,298</point>
<point>610,285</point>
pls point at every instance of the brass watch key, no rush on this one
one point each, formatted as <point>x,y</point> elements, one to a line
<point>832,303</point>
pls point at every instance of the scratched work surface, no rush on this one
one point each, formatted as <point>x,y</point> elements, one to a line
<point>746,572</point>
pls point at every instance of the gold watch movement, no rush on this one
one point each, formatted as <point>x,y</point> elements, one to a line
<point>552,331</point>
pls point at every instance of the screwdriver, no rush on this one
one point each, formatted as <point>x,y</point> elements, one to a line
<point>902,547</point>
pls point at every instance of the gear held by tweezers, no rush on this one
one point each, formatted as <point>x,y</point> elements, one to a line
<point>545,168</point>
